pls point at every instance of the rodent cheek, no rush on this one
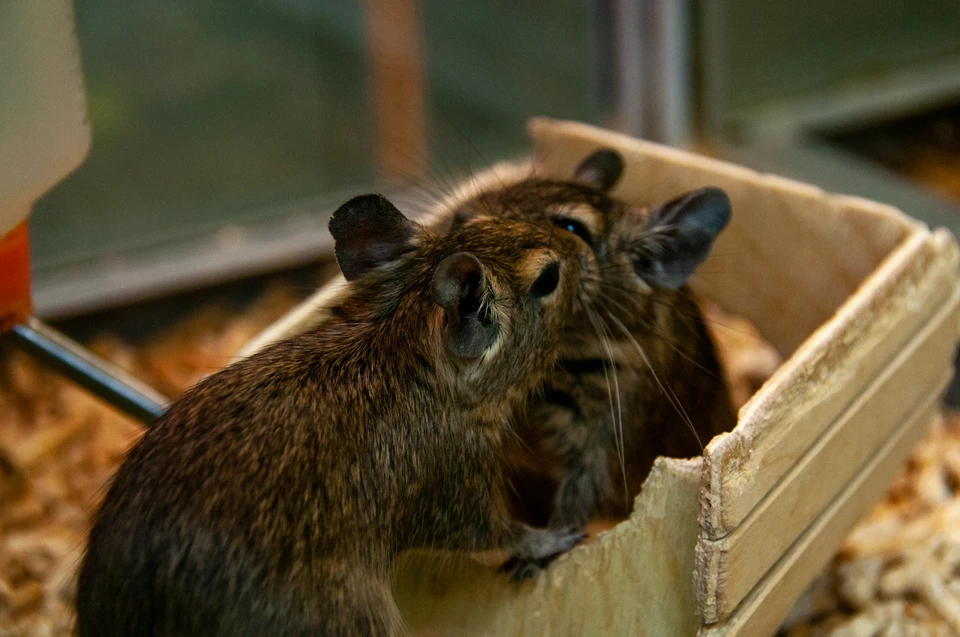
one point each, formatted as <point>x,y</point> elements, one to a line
<point>436,321</point>
<point>621,270</point>
<point>586,280</point>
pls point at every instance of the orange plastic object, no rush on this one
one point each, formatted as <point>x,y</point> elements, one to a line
<point>15,303</point>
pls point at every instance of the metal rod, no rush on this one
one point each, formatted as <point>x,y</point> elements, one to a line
<point>94,374</point>
<point>630,67</point>
<point>652,66</point>
<point>667,54</point>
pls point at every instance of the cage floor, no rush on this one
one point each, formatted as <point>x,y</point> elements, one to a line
<point>58,447</point>
<point>898,572</point>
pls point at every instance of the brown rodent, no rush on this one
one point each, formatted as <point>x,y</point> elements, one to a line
<point>638,375</point>
<point>271,498</point>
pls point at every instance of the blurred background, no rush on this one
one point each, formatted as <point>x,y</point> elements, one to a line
<point>223,138</point>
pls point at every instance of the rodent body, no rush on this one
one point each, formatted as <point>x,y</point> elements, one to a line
<point>638,375</point>
<point>272,497</point>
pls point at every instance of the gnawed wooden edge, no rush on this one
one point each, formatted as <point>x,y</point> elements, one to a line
<point>634,579</point>
<point>728,568</point>
<point>893,275</point>
<point>762,612</point>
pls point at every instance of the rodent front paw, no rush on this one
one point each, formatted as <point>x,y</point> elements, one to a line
<point>538,549</point>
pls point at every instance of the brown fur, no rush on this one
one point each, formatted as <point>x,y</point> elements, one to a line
<point>660,374</point>
<point>271,498</point>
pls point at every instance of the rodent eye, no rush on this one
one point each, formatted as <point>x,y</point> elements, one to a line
<point>574,226</point>
<point>547,281</point>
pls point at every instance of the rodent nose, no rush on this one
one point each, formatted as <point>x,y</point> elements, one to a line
<point>547,281</point>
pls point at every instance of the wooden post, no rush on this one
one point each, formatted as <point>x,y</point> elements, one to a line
<point>394,53</point>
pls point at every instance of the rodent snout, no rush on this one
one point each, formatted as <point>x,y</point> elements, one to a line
<point>547,281</point>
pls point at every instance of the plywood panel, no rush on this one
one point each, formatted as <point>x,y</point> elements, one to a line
<point>730,567</point>
<point>783,234</point>
<point>818,382</point>
<point>632,580</point>
<point>762,612</point>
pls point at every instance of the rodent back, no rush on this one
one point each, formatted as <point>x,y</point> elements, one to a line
<point>274,475</point>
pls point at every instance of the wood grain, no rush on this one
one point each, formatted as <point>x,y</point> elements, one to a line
<point>632,580</point>
<point>728,568</point>
<point>762,612</point>
<point>823,377</point>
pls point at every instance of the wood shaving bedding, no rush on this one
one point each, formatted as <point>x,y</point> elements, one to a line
<point>59,446</point>
<point>898,572</point>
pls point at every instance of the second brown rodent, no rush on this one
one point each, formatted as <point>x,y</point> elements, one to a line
<point>273,496</point>
<point>638,374</point>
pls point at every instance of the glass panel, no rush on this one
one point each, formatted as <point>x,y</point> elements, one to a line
<point>492,65</point>
<point>205,115</point>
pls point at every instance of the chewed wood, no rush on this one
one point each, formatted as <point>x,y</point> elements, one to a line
<point>780,227</point>
<point>767,605</point>
<point>631,580</point>
<point>728,568</point>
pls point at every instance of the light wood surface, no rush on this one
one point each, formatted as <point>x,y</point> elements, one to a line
<point>762,612</point>
<point>821,379</point>
<point>632,580</point>
<point>729,568</point>
<point>840,286</point>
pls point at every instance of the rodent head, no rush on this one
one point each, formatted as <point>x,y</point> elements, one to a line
<point>663,245</point>
<point>494,294</point>
<point>642,254</point>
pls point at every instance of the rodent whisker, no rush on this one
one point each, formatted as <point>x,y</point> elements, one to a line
<point>603,335</point>
<point>672,397</point>
<point>651,327</point>
<point>666,303</point>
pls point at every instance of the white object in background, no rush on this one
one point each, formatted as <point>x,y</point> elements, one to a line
<point>44,133</point>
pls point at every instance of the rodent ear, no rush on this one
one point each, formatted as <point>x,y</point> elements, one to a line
<point>458,285</point>
<point>678,236</point>
<point>368,232</point>
<point>601,170</point>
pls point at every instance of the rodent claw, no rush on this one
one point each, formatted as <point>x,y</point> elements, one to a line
<point>523,566</point>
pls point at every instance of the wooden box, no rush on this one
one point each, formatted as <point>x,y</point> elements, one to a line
<point>862,302</point>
